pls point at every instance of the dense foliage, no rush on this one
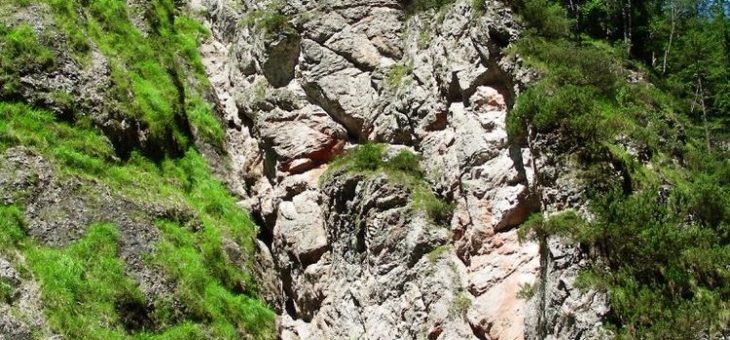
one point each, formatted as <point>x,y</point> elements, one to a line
<point>653,155</point>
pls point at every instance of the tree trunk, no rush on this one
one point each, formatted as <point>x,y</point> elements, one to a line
<point>704,113</point>
<point>626,9</point>
<point>673,11</point>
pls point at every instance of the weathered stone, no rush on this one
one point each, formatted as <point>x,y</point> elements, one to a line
<point>355,257</point>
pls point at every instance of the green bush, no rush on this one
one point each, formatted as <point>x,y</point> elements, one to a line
<point>545,17</point>
<point>660,271</point>
<point>368,157</point>
<point>660,226</point>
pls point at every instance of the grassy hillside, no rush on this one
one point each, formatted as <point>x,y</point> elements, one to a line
<point>157,79</point>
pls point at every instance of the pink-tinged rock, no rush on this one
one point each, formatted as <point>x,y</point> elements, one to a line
<point>302,139</point>
<point>496,280</point>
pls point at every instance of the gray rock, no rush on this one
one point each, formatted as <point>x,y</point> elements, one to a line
<point>354,258</point>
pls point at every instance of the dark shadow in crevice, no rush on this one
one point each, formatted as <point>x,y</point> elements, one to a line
<point>290,308</point>
<point>134,315</point>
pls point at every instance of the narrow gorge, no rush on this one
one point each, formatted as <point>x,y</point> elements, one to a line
<point>299,169</point>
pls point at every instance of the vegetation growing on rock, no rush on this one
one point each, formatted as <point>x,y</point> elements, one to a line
<point>157,76</point>
<point>402,167</point>
<point>218,295</point>
<point>21,52</point>
<point>93,285</point>
<point>659,223</point>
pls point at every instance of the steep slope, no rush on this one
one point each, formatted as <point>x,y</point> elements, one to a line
<point>371,169</point>
<point>414,237</point>
<point>112,224</point>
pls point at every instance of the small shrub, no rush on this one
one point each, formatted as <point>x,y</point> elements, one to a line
<point>527,291</point>
<point>398,74</point>
<point>435,254</point>
<point>545,17</point>
<point>461,304</point>
<point>368,157</point>
<point>479,6</point>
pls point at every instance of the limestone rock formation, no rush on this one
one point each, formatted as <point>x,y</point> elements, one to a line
<point>342,254</point>
<point>353,259</point>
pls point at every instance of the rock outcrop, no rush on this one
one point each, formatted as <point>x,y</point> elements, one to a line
<point>301,81</point>
<point>342,254</point>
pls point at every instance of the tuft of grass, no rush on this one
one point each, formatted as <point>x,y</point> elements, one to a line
<point>405,162</point>
<point>83,284</point>
<point>398,74</point>
<point>417,6</point>
<point>205,122</point>
<point>435,254</point>
<point>461,304</point>
<point>403,167</point>
<point>21,52</point>
<point>207,282</point>
<point>479,6</point>
<point>270,20</point>
<point>527,291</point>
<point>12,231</point>
<point>6,291</point>
<point>438,210</point>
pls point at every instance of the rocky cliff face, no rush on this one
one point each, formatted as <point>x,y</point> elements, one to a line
<point>351,255</point>
<point>428,251</point>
